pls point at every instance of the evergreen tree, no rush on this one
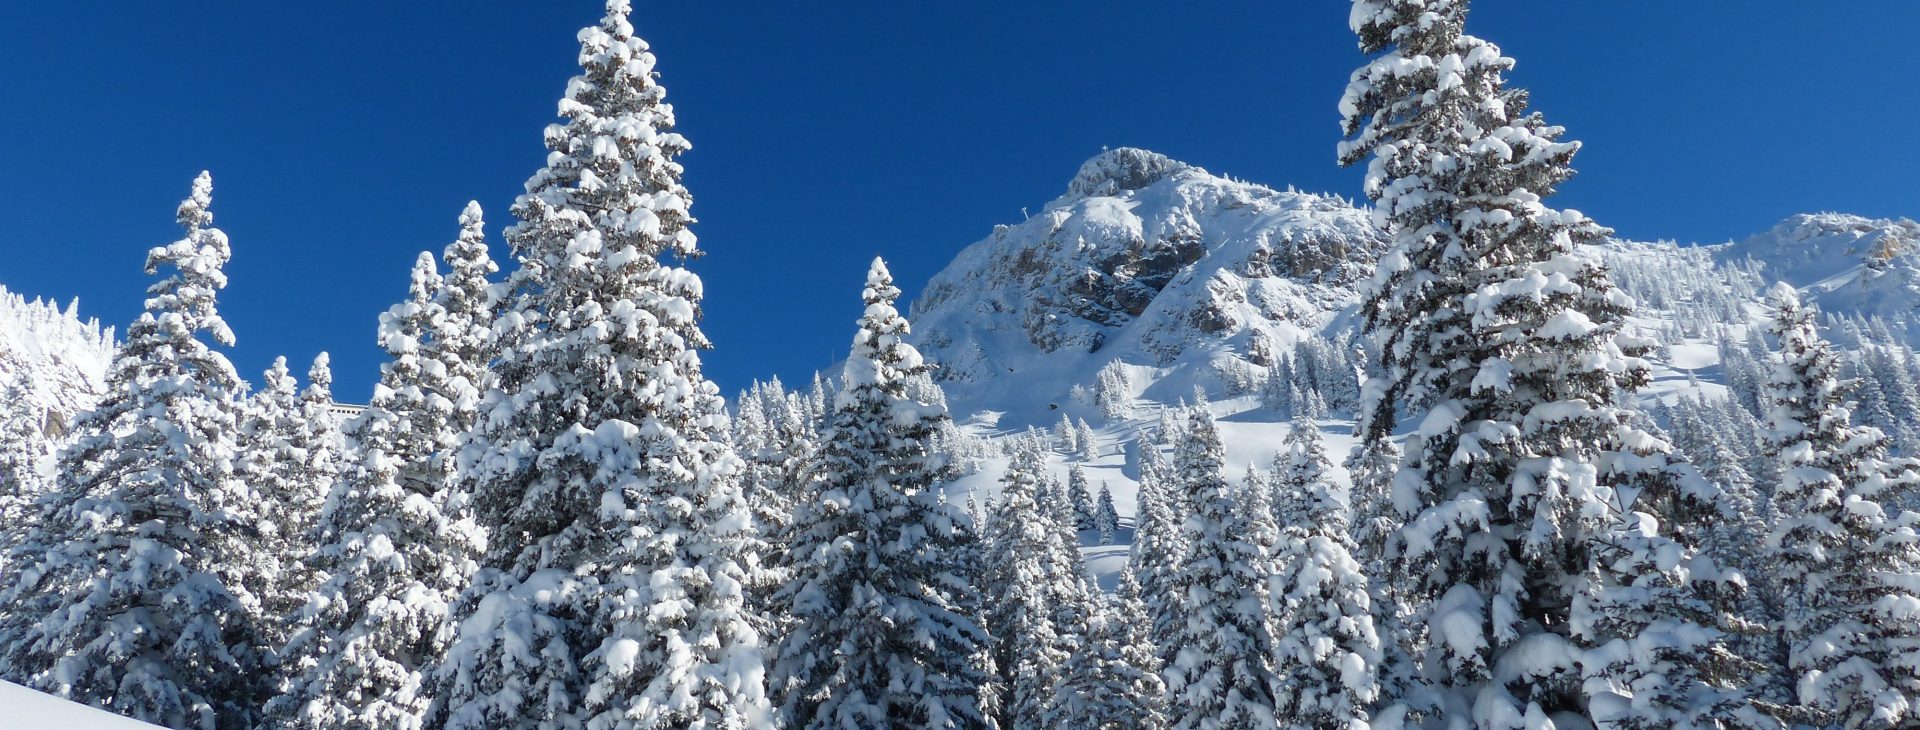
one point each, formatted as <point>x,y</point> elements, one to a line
<point>125,596</point>
<point>1219,677</point>
<point>1113,393</point>
<point>1506,347</point>
<point>394,559</point>
<point>1157,549</point>
<point>1854,640</point>
<point>1019,583</point>
<point>285,461</point>
<point>1326,650</point>
<point>1300,469</point>
<point>1102,688</point>
<point>1079,498</point>
<point>611,592</point>
<point>463,339</point>
<point>1106,518</point>
<point>879,639</point>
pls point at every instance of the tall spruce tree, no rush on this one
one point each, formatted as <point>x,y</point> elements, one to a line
<point>1854,567</point>
<point>272,462</point>
<point>1019,580</point>
<point>1108,683</point>
<point>1326,650</point>
<point>125,594</point>
<point>1538,519</point>
<point>1106,517</point>
<point>611,593</point>
<point>878,639</point>
<point>1219,676</point>
<point>1157,549</point>
<point>395,560</point>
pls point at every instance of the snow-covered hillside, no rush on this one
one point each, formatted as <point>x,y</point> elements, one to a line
<point>1145,261</point>
<point>1186,282</point>
<point>1845,264</point>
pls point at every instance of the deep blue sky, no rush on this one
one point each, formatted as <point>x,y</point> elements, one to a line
<point>344,137</point>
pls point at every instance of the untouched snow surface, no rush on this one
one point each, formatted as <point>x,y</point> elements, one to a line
<point>25,709</point>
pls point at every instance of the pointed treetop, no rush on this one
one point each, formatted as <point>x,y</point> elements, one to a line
<point>470,216</point>
<point>880,288</point>
<point>197,258</point>
<point>320,375</point>
<point>193,213</point>
<point>1783,296</point>
<point>278,377</point>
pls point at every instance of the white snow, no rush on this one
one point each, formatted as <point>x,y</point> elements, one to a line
<point>25,709</point>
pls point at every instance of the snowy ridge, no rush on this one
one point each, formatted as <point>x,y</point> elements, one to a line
<point>1844,264</point>
<point>1148,262</point>
<point>53,365</point>
<point>1170,273</point>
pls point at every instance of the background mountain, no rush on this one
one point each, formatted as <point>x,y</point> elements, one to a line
<point>1185,285</point>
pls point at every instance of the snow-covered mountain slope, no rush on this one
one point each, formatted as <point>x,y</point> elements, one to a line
<point>1180,279</point>
<point>1145,261</point>
<point>25,709</point>
<point>1845,264</point>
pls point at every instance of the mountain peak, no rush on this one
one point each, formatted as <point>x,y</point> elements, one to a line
<point>1123,168</point>
<point>1144,262</point>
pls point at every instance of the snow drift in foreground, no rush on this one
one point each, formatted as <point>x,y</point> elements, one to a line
<point>26,709</point>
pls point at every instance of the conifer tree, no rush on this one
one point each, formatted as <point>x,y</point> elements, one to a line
<point>1020,584</point>
<point>879,639</point>
<point>611,593</point>
<point>1083,437</point>
<point>270,456</point>
<point>1854,567</point>
<point>124,596</point>
<point>1157,549</point>
<point>1219,677</point>
<point>1080,498</point>
<point>1101,687</point>
<point>1106,518</point>
<point>394,559</point>
<point>463,339</point>
<point>1326,649</point>
<point>1506,347</point>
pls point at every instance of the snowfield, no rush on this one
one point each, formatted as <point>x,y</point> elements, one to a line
<point>25,709</point>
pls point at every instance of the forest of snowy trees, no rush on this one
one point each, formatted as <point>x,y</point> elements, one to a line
<point>549,517</point>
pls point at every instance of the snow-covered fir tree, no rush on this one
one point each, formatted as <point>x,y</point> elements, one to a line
<point>878,639</point>
<point>612,589</point>
<point>1019,578</point>
<point>1544,589</point>
<point>286,462</point>
<point>395,560</point>
<point>1852,565</point>
<point>1106,517</point>
<point>124,596</point>
<point>1326,649</point>
<point>1157,548</point>
<point>1108,683</point>
<point>1219,677</point>
<point>1080,498</point>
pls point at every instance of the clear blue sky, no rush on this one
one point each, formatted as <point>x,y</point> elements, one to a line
<point>344,137</point>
